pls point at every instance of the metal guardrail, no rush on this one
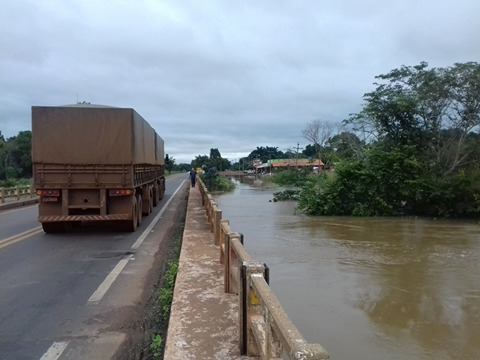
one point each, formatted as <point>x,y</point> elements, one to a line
<point>265,329</point>
<point>16,193</point>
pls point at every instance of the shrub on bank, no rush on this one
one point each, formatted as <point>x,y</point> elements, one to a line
<point>218,183</point>
<point>387,183</point>
<point>295,178</point>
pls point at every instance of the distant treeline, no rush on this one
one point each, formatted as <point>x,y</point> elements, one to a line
<point>15,156</point>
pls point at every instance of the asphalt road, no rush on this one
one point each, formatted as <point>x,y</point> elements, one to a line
<point>48,281</point>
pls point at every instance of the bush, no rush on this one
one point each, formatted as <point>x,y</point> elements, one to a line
<point>218,183</point>
<point>289,194</point>
<point>295,178</point>
<point>388,183</point>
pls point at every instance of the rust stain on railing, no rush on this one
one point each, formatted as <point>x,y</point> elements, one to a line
<point>264,327</point>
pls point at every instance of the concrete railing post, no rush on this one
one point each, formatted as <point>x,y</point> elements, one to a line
<point>234,266</point>
<point>32,191</point>
<point>226,264</point>
<point>17,192</point>
<point>248,304</point>
<point>218,223</point>
<point>223,233</point>
<point>2,195</point>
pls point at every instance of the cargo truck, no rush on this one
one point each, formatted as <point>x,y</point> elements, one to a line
<point>95,164</point>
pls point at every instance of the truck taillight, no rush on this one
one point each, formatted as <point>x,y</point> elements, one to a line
<point>120,192</point>
<point>49,193</point>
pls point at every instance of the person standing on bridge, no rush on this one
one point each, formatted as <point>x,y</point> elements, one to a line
<point>193,177</point>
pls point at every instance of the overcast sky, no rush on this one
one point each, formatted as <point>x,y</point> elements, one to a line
<point>226,74</point>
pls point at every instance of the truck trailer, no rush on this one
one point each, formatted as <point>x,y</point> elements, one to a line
<point>95,164</point>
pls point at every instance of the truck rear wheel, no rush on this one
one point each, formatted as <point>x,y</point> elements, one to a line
<point>131,225</point>
<point>162,189</point>
<point>150,201</point>
<point>147,202</point>
<point>139,209</point>
<point>156,197</point>
<point>53,227</point>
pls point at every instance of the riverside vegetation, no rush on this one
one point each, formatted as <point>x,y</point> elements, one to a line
<point>420,154</point>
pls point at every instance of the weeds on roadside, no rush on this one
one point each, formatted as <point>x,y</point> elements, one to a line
<point>156,347</point>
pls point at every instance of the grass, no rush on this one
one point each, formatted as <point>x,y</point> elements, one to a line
<point>156,347</point>
<point>164,295</point>
<point>162,301</point>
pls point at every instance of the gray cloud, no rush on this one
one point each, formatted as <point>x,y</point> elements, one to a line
<point>226,74</point>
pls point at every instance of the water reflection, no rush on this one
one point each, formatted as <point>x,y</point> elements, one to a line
<point>368,288</point>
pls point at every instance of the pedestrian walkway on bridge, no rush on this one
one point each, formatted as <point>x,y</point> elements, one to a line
<point>204,319</point>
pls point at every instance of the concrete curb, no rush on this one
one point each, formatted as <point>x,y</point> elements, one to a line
<point>17,204</point>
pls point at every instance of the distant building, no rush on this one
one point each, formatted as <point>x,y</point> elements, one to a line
<point>283,164</point>
<point>296,163</point>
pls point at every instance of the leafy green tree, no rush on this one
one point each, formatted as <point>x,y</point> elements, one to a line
<point>414,105</point>
<point>345,145</point>
<point>311,150</point>
<point>423,154</point>
<point>15,156</point>
<point>169,163</point>
<point>265,153</point>
<point>217,161</point>
<point>182,167</point>
<point>2,156</point>
<point>201,161</point>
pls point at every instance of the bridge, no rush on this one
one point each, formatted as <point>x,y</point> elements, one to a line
<point>84,294</point>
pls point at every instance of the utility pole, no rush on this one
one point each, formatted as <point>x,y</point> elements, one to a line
<point>296,155</point>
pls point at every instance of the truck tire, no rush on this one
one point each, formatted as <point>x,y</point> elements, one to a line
<point>156,197</point>
<point>147,202</point>
<point>131,225</point>
<point>139,209</point>
<point>53,227</point>
<point>150,201</point>
<point>162,189</point>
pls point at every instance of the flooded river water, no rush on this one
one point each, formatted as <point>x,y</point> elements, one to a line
<point>367,288</point>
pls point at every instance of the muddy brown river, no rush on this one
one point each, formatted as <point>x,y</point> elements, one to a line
<point>367,288</point>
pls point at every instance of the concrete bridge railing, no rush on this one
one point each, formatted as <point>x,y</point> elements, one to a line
<point>264,327</point>
<point>15,193</point>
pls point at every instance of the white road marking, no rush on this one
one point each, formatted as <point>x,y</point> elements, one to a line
<point>98,295</point>
<point>55,351</point>
<point>155,220</point>
<point>19,237</point>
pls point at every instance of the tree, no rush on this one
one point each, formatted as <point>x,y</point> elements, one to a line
<point>311,150</point>
<point>318,132</point>
<point>169,163</point>
<point>2,156</point>
<point>215,160</point>
<point>182,167</point>
<point>432,109</point>
<point>423,151</point>
<point>201,161</point>
<point>345,145</point>
<point>265,153</point>
<point>15,156</point>
<point>215,154</point>
<point>464,109</point>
